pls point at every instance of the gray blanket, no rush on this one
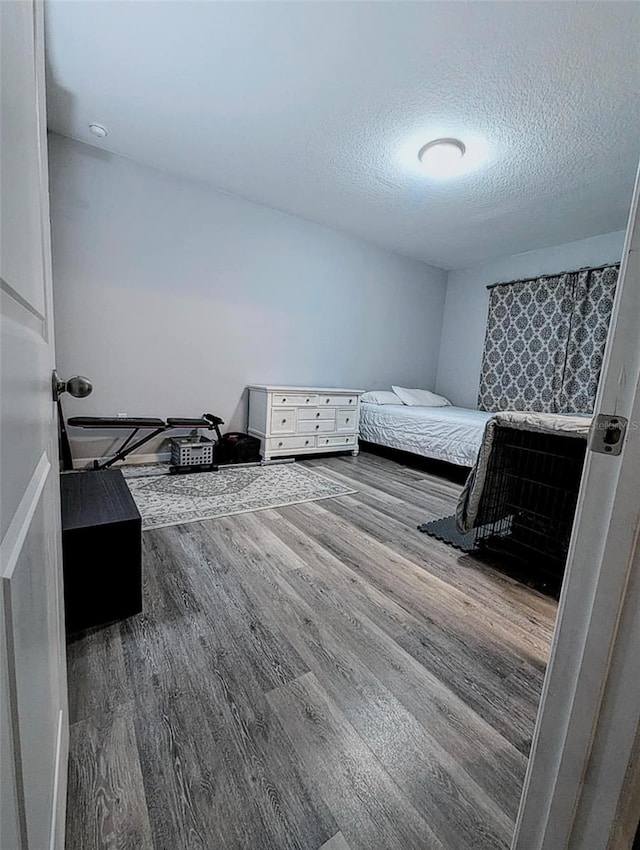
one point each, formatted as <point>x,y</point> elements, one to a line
<point>468,511</point>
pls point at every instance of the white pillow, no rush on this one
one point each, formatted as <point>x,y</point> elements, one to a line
<point>380,397</point>
<point>420,398</point>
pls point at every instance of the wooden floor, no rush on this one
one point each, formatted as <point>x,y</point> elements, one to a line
<point>317,676</point>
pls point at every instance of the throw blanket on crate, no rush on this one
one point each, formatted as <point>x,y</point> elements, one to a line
<point>475,505</point>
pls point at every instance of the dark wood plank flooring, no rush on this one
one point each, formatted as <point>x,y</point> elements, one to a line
<point>317,677</point>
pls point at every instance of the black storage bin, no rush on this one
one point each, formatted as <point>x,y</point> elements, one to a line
<point>240,448</point>
<point>101,549</point>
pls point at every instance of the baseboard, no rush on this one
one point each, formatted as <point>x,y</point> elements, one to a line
<point>159,457</point>
<point>152,457</point>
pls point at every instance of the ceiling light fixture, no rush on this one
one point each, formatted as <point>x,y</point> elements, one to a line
<point>442,157</point>
<point>98,130</point>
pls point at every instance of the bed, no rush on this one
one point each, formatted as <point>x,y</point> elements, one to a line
<point>452,434</point>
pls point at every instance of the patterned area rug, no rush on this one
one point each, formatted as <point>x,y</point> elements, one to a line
<point>175,499</point>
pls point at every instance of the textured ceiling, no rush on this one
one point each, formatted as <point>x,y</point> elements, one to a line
<point>319,108</point>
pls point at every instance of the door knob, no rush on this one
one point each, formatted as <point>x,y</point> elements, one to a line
<point>78,386</point>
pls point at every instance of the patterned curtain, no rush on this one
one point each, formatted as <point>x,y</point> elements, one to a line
<point>525,344</point>
<point>545,342</point>
<point>593,302</point>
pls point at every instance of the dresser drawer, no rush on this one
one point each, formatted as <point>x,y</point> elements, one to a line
<point>346,420</point>
<point>316,426</point>
<point>283,421</point>
<point>340,440</point>
<point>279,444</point>
<point>337,401</point>
<point>294,400</point>
<point>316,413</point>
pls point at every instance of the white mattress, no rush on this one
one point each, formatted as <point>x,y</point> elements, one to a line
<point>447,433</point>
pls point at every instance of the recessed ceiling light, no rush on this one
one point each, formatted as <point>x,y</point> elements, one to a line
<point>98,130</point>
<point>442,157</point>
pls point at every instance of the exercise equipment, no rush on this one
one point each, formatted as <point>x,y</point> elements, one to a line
<point>154,426</point>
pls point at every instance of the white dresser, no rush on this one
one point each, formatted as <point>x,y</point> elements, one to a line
<point>304,420</point>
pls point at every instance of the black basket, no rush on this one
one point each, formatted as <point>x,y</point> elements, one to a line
<point>239,448</point>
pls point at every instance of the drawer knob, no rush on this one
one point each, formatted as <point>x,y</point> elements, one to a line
<point>317,414</point>
<point>306,442</point>
<point>327,401</point>
<point>284,421</point>
<point>283,400</point>
<point>347,418</point>
<point>280,444</point>
<point>307,401</point>
<point>317,427</point>
<point>350,401</point>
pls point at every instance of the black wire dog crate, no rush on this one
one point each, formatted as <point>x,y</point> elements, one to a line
<point>530,497</point>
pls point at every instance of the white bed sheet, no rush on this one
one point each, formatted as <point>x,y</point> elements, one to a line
<point>447,433</point>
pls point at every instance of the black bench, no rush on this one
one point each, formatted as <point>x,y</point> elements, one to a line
<point>154,427</point>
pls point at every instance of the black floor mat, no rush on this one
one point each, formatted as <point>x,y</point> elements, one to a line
<point>447,531</point>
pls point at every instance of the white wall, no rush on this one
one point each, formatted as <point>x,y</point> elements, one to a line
<point>465,314</point>
<point>172,296</point>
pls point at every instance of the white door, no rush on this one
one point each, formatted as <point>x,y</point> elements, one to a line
<point>587,744</point>
<point>33,707</point>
